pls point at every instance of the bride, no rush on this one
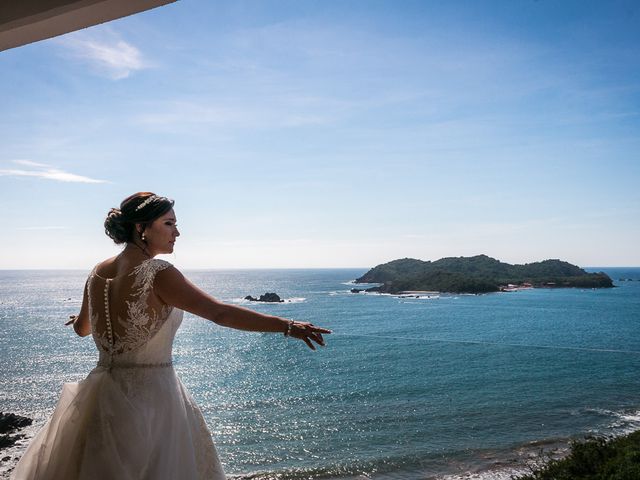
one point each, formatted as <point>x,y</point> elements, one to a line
<point>132,418</point>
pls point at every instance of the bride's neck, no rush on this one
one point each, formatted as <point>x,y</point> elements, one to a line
<point>135,250</point>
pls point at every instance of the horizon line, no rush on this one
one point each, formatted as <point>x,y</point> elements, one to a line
<point>204,269</point>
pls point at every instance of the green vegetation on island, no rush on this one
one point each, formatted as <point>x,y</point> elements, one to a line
<point>594,459</point>
<point>478,274</point>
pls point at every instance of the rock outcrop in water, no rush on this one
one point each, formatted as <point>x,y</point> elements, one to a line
<point>478,274</point>
<point>10,423</point>
<point>267,297</point>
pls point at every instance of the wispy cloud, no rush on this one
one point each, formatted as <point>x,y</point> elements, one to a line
<point>29,163</point>
<point>106,53</point>
<point>48,172</point>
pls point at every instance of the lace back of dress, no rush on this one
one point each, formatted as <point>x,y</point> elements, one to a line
<point>125,312</point>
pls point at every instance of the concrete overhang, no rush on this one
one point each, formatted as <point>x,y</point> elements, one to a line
<point>27,21</point>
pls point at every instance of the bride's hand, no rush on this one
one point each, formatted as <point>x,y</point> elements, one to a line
<point>307,331</point>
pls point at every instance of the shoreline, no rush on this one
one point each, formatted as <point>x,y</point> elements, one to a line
<point>480,464</point>
<point>436,293</point>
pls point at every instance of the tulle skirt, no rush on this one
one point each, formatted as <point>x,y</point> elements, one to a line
<point>124,424</point>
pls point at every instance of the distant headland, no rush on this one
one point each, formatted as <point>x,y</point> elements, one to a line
<point>478,274</point>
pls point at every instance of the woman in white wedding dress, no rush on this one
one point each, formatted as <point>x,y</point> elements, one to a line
<point>132,418</point>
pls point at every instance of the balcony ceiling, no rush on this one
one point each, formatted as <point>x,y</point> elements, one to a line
<point>27,21</point>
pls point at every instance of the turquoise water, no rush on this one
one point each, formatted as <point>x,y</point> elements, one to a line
<point>406,388</point>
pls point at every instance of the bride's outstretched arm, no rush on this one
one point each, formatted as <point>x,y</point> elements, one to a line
<point>80,322</point>
<point>174,289</point>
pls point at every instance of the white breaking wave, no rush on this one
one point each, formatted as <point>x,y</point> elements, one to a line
<point>419,297</point>
<point>295,300</point>
<point>506,474</point>
<point>243,301</point>
<point>631,417</point>
<point>625,422</point>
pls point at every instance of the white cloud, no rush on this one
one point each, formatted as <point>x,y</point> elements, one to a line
<point>29,163</point>
<point>108,55</point>
<point>41,170</point>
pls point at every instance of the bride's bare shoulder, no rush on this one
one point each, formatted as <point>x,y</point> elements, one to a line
<point>108,267</point>
<point>168,273</point>
<point>175,289</point>
<point>120,265</point>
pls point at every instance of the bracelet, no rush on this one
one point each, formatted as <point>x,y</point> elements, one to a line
<point>287,332</point>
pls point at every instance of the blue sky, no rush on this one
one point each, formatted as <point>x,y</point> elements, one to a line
<point>331,134</point>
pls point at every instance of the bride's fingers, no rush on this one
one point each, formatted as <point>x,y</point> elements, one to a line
<point>321,330</point>
<point>311,326</point>
<point>316,337</point>
<point>308,342</point>
<point>307,331</point>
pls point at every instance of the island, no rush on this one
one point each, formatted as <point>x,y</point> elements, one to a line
<point>477,274</point>
<point>267,297</point>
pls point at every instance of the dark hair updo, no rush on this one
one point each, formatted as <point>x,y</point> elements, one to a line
<point>141,207</point>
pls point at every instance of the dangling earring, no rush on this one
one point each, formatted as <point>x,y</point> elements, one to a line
<point>144,238</point>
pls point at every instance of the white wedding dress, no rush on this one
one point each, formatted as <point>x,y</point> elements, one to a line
<point>131,418</point>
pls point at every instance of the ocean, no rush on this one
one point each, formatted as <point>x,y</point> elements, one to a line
<point>435,386</point>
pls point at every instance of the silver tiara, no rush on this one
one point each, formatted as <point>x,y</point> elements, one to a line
<point>146,202</point>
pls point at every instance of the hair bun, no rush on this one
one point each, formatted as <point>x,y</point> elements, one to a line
<point>114,213</point>
<point>140,208</point>
<point>115,226</point>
